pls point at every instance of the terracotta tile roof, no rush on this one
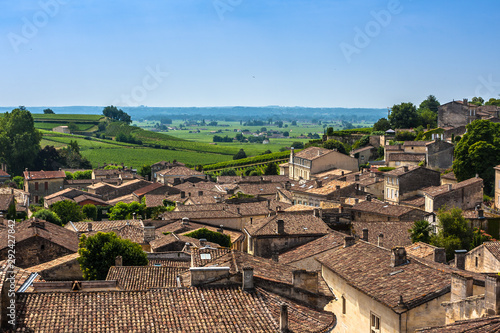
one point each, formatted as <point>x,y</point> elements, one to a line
<point>130,232</point>
<point>266,269</point>
<point>415,201</point>
<point>367,268</point>
<point>173,238</point>
<point>449,175</point>
<point>329,188</point>
<point>334,173</point>
<point>34,175</point>
<point>180,171</point>
<point>85,197</point>
<point>149,188</point>
<point>361,149</point>
<point>294,224</point>
<point>154,200</point>
<point>313,153</point>
<point>421,250</point>
<point>401,171</point>
<point>415,143</point>
<point>261,189</point>
<point>406,157</point>
<point>199,309</point>
<point>180,227</point>
<point>102,225</point>
<point>393,148</point>
<point>207,198</point>
<point>213,254</point>
<point>3,173</point>
<point>434,191</point>
<point>5,201</point>
<point>198,215</point>
<point>39,228</point>
<point>314,248</point>
<point>169,263</point>
<point>251,179</point>
<point>128,198</point>
<point>382,208</point>
<point>298,208</point>
<point>395,233</point>
<point>144,277</point>
<point>54,263</point>
<point>21,276</point>
<point>479,325</point>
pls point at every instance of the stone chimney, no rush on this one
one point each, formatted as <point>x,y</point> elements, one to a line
<point>185,221</point>
<point>318,183</point>
<point>348,241</point>
<point>365,235</point>
<point>280,227</point>
<point>177,181</point>
<point>439,255</point>
<point>247,278</point>
<point>275,256</point>
<point>368,197</point>
<point>118,261</point>
<point>337,187</point>
<point>398,256</point>
<point>149,233</point>
<point>356,200</point>
<point>342,173</point>
<point>405,168</point>
<point>461,287</point>
<point>356,177</point>
<point>220,229</point>
<point>466,102</point>
<point>305,280</point>
<point>492,295</point>
<point>318,212</point>
<point>380,240</point>
<point>460,259</point>
<point>201,275</point>
<point>203,241</point>
<point>183,194</point>
<point>200,193</point>
<point>284,318</point>
<point>89,227</point>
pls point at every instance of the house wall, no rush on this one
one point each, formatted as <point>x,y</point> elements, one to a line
<point>68,271</point>
<point>397,164</point>
<point>266,247</point>
<point>53,186</point>
<point>415,149</point>
<point>439,155</point>
<point>480,260</point>
<point>452,115</point>
<point>334,160</point>
<point>463,198</point>
<point>34,251</point>
<point>470,308</point>
<point>391,189</point>
<point>428,314</point>
<point>418,178</point>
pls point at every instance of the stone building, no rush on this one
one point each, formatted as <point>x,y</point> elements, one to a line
<point>484,259</point>
<point>176,174</point>
<point>464,195</point>
<point>313,160</point>
<point>497,188</point>
<point>461,113</point>
<point>364,154</point>
<point>367,211</point>
<point>404,182</point>
<point>159,166</point>
<point>43,183</point>
<point>439,154</point>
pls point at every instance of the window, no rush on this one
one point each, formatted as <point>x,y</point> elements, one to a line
<point>388,180</point>
<point>46,186</point>
<point>476,261</point>
<point>392,194</point>
<point>375,323</point>
<point>36,186</point>
<point>343,305</point>
<point>36,198</point>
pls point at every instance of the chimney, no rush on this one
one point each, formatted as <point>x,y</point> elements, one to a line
<point>365,235</point>
<point>203,241</point>
<point>317,212</point>
<point>247,278</point>
<point>183,194</point>
<point>275,256</point>
<point>460,259</point>
<point>189,194</point>
<point>200,193</point>
<point>461,287</point>
<point>89,227</point>
<point>187,248</point>
<point>449,186</point>
<point>238,210</point>
<point>480,213</point>
<point>118,261</point>
<point>337,187</point>
<point>356,200</point>
<point>368,197</point>
<point>284,318</point>
<point>280,224</point>
<point>149,233</point>
<point>466,101</point>
<point>288,186</point>
<point>356,177</point>
<point>398,256</point>
<point>405,168</point>
<point>318,183</point>
<point>381,240</point>
<point>185,221</point>
<point>492,295</point>
<point>439,255</point>
<point>342,173</point>
<point>348,241</point>
<point>221,229</point>
<point>133,216</point>
<point>251,220</point>
<point>177,181</point>
<point>305,280</point>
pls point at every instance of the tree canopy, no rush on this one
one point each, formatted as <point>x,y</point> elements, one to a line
<point>124,211</point>
<point>335,144</point>
<point>430,103</point>
<point>477,152</point>
<point>404,115</point>
<point>67,211</point>
<point>239,155</point>
<point>382,125</point>
<point>48,216</point>
<point>19,140</point>
<point>421,232</point>
<point>114,113</point>
<point>48,111</point>
<point>455,232</point>
<point>211,236</point>
<point>98,254</point>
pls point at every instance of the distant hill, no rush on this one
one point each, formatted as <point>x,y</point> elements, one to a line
<point>230,113</point>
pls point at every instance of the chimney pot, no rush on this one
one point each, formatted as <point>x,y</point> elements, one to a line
<point>460,259</point>
<point>356,177</point>
<point>398,256</point>
<point>368,197</point>
<point>365,235</point>
<point>348,241</point>
<point>405,168</point>
<point>183,194</point>
<point>118,261</point>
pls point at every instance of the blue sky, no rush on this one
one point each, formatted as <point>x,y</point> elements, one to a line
<point>318,53</point>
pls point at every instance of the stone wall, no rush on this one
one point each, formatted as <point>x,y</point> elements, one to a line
<point>481,260</point>
<point>35,251</point>
<point>418,178</point>
<point>266,247</point>
<point>440,155</point>
<point>464,198</point>
<point>452,114</point>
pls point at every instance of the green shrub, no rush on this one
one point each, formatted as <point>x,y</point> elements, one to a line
<point>211,236</point>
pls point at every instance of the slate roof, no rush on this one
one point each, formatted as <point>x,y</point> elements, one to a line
<point>314,248</point>
<point>479,325</point>
<point>144,277</point>
<point>35,175</point>
<point>395,233</point>
<point>382,208</point>
<point>313,153</point>
<point>39,228</point>
<point>200,309</point>
<point>294,224</point>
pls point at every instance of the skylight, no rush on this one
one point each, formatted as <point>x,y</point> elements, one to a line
<point>205,256</point>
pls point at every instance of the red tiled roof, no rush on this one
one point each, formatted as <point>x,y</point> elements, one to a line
<point>313,153</point>
<point>406,157</point>
<point>382,208</point>
<point>21,276</point>
<point>294,224</point>
<point>180,171</point>
<point>149,188</point>
<point>3,173</point>
<point>5,201</point>
<point>313,248</point>
<point>34,175</point>
<point>479,325</point>
<point>144,277</point>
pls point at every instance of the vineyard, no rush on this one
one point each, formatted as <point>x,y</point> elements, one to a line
<point>248,161</point>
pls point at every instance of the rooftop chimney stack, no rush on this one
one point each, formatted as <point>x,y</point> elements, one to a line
<point>405,168</point>
<point>248,278</point>
<point>149,233</point>
<point>380,240</point>
<point>439,255</point>
<point>89,227</point>
<point>368,197</point>
<point>284,318</point>
<point>449,187</point>
<point>220,229</point>
<point>461,287</point>
<point>203,241</point>
<point>183,194</point>
<point>398,256</point>
<point>365,235</point>
<point>492,295</point>
<point>118,261</point>
<point>280,224</point>
<point>349,241</point>
<point>356,177</point>
<point>337,187</point>
<point>466,101</point>
<point>460,259</point>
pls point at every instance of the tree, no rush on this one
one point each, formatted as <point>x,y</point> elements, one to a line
<point>286,134</point>
<point>420,232</point>
<point>297,145</point>
<point>67,211</point>
<point>404,115</point>
<point>493,101</point>
<point>48,111</point>
<point>455,232</point>
<point>430,103</point>
<point>477,101</point>
<point>335,144</point>
<point>405,136</point>
<point>478,152</point>
<point>123,211</point>
<point>98,254</point>
<point>271,169</point>
<point>19,180</point>
<point>114,113</point>
<point>211,236</point>
<point>90,211</point>
<point>145,171</point>
<point>381,125</point>
<point>48,159</point>
<point>47,215</point>
<point>19,140</point>
<point>11,211</point>
<point>239,155</point>
<point>428,118</point>
<point>73,127</point>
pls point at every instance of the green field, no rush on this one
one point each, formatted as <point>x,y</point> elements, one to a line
<point>84,122</point>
